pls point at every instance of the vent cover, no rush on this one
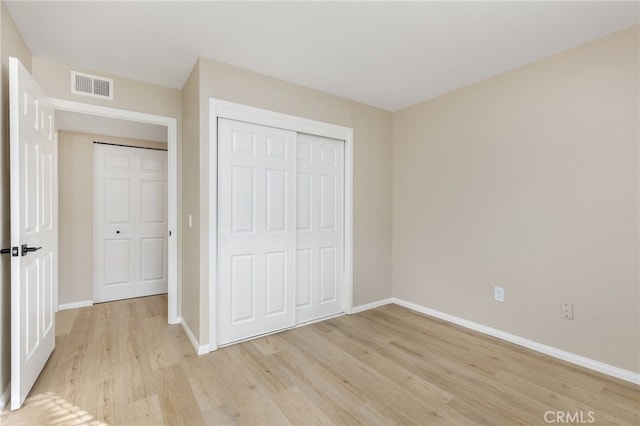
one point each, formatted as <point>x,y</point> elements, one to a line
<point>91,85</point>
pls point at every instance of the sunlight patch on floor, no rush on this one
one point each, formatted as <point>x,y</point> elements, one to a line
<point>51,409</point>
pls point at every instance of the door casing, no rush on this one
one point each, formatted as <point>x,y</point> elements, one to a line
<point>209,185</point>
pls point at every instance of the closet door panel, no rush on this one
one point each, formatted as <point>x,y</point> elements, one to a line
<point>320,227</point>
<point>130,224</point>
<point>256,233</point>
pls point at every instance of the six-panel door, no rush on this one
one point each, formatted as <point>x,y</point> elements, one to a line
<point>256,192</point>
<point>280,229</point>
<point>130,222</point>
<point>34,228</point>
<point>320,227</point>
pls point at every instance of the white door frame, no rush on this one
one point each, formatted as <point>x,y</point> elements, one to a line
<point>172,181</point>
<point>224,109</point>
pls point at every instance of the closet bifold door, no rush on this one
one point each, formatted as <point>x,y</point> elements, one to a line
<point>256,230</point>
<point>130,223</point>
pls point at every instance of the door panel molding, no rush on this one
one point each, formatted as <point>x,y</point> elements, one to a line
<point>209,186</point>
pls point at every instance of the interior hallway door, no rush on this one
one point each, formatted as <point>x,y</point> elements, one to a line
<point>34,230</point>
<point>130,228</point>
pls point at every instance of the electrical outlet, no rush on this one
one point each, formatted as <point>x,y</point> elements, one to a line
<point>498,294</point>
<point>567,311</point>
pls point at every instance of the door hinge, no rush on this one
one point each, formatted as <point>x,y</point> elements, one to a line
<point>13,250</point>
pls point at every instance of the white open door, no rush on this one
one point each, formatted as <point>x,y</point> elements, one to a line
<point>34,261</point>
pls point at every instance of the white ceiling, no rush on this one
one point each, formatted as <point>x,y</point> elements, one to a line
<point>386,54</point>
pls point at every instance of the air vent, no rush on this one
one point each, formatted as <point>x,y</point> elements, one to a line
<point>91,85</point>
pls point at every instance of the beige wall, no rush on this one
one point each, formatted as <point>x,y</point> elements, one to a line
<point>55,79</point>
<point>372,198</point>
<point>190,204</point>
<point>372,174</point>
<point>528,181</point>
<point>12,45</point>
<point>75,219</point>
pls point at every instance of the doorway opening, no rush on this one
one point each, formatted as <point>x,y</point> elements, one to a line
<point>119,123</point>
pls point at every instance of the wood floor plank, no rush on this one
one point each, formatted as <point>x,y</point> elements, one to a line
<point>323,390</point>
<point>460,412</point>
<point>362,350</point>
<point>206,382</point>
<point>120,363</point>
<point>244,397</point>
<point>298,408</point>
<point>177,402</point>
<point>561,402</point>
<point>594,399</point>
<point>491,351</point>
<point>357,379</point>
<point>416,399</point>
<point>143,412</point>
<point>264,368</point>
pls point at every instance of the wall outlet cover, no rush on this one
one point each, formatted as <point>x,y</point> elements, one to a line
<point>567,311</point>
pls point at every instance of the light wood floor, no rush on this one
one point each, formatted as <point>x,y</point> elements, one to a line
<point>120,363</point>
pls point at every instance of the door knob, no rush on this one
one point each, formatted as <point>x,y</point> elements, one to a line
<point>26,250</point>
<point>117,232</point>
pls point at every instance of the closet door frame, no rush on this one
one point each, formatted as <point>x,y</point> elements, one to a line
<point>224,109</point>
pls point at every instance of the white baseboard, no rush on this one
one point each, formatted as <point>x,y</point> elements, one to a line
<point>372,305</point>
<point>591,364</point>
<point>74,305</point>
<point>200,349</point>
<point>4,398</point>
